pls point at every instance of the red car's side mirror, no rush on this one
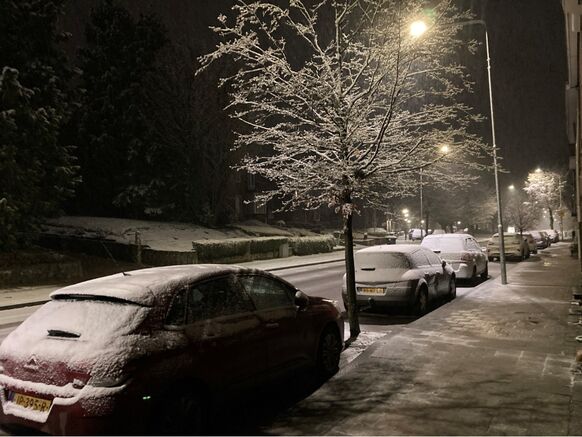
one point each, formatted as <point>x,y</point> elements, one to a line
<point>301,299</point>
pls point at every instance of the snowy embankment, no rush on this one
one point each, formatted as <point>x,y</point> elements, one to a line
<point>166,236</point>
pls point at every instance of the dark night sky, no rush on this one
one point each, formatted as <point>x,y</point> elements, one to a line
<point>529,73</point>
<point>528,66</point>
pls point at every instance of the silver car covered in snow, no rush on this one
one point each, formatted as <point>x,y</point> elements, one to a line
<point>400,275</point>
<point>462,252</point>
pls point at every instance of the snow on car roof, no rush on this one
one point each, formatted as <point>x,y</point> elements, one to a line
<point>449,236</point>
<point>144,286</point>
<point>399,248</point>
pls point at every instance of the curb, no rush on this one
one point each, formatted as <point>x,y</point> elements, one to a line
<point>23,304</point>
<point>314,263</point>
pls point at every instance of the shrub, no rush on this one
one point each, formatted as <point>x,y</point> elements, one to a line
<point>213,250</point>
<point>267,244</point>
<point>310,245</point>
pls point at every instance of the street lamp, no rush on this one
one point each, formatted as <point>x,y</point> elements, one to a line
<point>418,28</point>
<point>511,187</point>
<point>495,166</point>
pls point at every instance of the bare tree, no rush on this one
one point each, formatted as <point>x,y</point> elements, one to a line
<point>545,188</point>
<point>342,105</point>
<point>520,210</point>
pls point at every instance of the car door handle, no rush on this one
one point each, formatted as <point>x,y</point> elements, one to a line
<point>272,325</point>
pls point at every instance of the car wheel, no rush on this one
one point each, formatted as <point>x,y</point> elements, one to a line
<point>328,352</point>
<point>485,273</point>
<point>182,413</point>
<point>474,276</point>
<point>453,288</point>
<point>421,305</point>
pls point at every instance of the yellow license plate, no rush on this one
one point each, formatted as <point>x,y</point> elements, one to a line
<point>371,290</point>
<point>31,402</point>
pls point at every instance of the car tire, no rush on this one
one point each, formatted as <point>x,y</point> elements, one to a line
<point>421,304</point>
<point>182,413</point>
<point>473,279</point>
<point>453,288</point>
<point>328,352</point>
<point>485,273</point>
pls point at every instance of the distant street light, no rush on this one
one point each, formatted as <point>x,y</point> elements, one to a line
<point>445,149</point>
<point>511,187</point>
<point>458,222</point>
<point>405,211</point>
<point>538,170</point>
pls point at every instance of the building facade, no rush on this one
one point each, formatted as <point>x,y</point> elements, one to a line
<point>573,23</point>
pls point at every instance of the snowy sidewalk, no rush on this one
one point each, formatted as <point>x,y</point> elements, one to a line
<point>499,360</point>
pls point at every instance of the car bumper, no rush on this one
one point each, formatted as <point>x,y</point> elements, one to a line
<point>89,410</point>
<point>391,297</point>
<point>462,270</point>
<point>509,254</point>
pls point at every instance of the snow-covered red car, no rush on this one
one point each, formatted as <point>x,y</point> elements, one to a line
<point>152,350</point>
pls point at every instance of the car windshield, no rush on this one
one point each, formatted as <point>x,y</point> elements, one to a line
<point>86,319</point>
<point>444,244</point>
<point>379,260</point>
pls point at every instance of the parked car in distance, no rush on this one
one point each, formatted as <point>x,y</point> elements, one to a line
<point>151,350</point>
<point>400,275</point>
<point>553,234</point>
<point>546,237</point>
<point>416,234</point>
<point>531,242</point>
<point>461,252</point>
<point>515,247</point>
<point>541,242</point>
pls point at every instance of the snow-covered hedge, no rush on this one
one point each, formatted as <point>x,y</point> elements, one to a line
<point>309,245</point>
<point>240,249</point>
<point>221,250</point>
<point>247,249</point>
<point>267,244</point>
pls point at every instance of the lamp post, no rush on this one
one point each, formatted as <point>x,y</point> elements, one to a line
<point>421,220</point>
<point>418,28</point>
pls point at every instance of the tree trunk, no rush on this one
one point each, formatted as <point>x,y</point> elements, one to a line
<point>551,218</point>
<point>351,278</point>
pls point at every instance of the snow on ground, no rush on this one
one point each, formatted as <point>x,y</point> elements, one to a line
<point>361,343</point>
<point>159,235</point>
